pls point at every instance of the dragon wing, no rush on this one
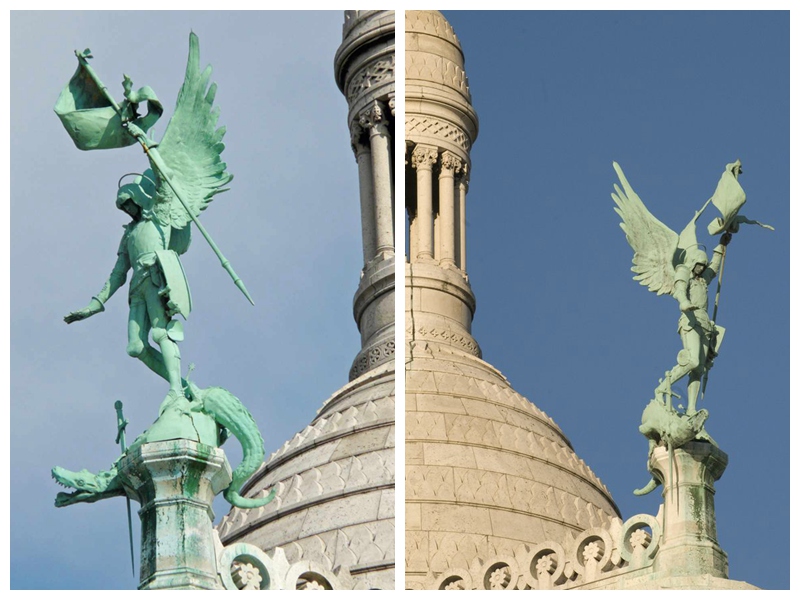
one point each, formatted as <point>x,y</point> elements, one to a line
<point>654,244</point>
<point>192,146</point>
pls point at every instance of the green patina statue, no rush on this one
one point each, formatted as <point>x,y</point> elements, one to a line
<point>186,173</point>
<point>162,202</point>
<point>671,263</point>
<point>203,415</point>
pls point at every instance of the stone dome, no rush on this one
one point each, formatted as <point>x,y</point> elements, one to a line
<point>335,479</point>
<point>486,470</point>
<point>335,487</point>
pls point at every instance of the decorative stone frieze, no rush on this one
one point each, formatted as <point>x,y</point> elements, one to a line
<point>369,76</point>
<point>431,23</point>
<point>376,355</point>
<point>437,69</point>
<point>419,125</point>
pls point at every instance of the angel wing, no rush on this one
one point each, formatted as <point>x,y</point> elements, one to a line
<point>191,147</point>
<point>655,246</point>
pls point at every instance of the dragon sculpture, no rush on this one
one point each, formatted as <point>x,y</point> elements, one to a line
<point>203,415</point>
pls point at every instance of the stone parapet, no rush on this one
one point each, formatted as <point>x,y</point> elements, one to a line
<point>676,549</point>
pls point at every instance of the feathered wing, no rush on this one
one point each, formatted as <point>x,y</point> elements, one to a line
<point>192,146</point>
<point>654,244</point>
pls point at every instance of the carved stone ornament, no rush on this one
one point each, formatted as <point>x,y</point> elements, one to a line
<point>424,156</point>
<point>374,116</point>
<point>373,74</point>
<point>450,162</point>
<point>426,125</point>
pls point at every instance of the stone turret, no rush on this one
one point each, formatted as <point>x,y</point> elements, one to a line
<point>487,472</point>
<point>364,69</point>
<point>335,479</point>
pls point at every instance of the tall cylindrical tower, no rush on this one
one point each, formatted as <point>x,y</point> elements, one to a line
<point>364,69</point>
<point>486,470</point>
<point>335,479</point>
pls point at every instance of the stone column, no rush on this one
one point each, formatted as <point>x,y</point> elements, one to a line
<point>463,184</point>
<point>365,191</point>
<point>411,211</point>
<point>175,482</point>
<point>689,535</point>
<point>447,209</point>
<point>423,159</point>
<point>375,123</point>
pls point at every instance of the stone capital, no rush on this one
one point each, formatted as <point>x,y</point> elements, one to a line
<point>357,141</point>
<point>424,157</point>
<point>374,118</point>
<point>463,175</point>
<point>391,103</point>
<point>450,162</point>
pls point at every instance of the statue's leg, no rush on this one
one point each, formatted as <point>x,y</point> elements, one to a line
<point>138,333</point>
<point>696,375</point>
<point>688,361</point>
<point>693,345</point>
<point>170,353</point>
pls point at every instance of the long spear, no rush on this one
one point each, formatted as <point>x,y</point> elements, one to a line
<point>716,307</point>
<point>121,425</point>
<point>157,162</point>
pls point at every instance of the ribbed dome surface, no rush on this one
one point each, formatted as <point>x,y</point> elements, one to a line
<point>486,469</point>
<point>335,484</point>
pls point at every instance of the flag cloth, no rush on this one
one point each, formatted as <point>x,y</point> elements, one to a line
<point>729,197</point>
<point>91,119</point>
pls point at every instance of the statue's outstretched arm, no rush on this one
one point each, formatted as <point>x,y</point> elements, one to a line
<point>719,252</point>
<point>117,278</point>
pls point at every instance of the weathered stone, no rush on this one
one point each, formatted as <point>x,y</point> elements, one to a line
<point>176,482</point>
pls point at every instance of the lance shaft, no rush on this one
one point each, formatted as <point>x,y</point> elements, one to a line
<point>155,159</point>
<point>714,316</point>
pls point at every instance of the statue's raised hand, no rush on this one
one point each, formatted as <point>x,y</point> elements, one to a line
<point>79,315</point>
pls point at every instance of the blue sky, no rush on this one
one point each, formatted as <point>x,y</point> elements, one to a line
<point>290,226</point>
<point>673,97</point>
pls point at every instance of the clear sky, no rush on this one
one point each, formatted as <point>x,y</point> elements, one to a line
<point>290,226</point>
<point>673,97</point>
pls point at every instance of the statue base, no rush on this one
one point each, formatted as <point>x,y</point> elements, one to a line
<point>175,481</point>
<point>689,544</point>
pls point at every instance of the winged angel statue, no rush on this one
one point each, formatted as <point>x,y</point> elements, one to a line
<point>186,173</point>
<point>670,263</point>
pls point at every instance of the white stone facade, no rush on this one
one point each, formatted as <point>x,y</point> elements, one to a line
<point>335,500</point>
<point>486,471</point>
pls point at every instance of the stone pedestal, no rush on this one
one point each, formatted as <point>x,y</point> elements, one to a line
<point>175,482</point>
<point>689,540</point>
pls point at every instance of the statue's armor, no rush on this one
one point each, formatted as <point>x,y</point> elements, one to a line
<point>140,242</point>
<point>697,294</point>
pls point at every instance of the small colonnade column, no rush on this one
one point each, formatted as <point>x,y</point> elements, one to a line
<point>437,213</point>
<point>376,180</point>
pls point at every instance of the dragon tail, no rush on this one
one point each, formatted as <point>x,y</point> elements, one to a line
<point>229,412</point>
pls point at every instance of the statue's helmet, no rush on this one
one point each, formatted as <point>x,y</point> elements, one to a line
<point>695,256</point>
<point>140,192</point>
